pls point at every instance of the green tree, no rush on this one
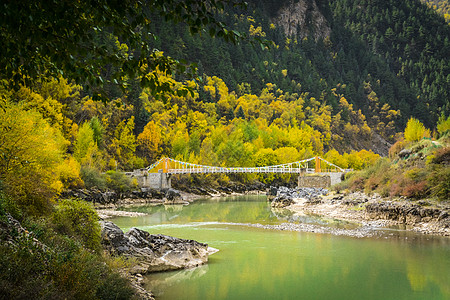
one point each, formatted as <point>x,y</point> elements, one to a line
<point>86,151</point>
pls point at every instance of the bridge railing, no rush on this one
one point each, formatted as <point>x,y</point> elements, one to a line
<point>239,170</point>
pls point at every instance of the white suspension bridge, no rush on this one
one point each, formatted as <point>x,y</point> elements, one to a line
<point>311,165</point>
<point>158,175</point>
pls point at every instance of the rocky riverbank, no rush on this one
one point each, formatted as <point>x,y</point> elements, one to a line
<point>370,211</point>
<point>149,253</point>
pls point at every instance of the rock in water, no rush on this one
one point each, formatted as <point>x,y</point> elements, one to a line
<point>283,196</point>
<point>154,252</point>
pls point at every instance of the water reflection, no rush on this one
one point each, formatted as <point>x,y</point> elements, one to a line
<point>164,281</point>
<point>247,209</point>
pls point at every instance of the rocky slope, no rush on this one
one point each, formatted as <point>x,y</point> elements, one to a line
<point>301,19</point>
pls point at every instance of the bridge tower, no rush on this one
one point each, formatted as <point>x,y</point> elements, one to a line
<point>317,169</point>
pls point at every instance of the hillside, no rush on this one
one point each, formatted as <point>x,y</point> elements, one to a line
<point>425,172</point>
<point>399,49</point>
<point>442,7</point>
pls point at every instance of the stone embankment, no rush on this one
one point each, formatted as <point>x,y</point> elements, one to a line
<point>372,211</point>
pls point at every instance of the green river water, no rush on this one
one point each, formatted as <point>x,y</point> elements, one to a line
<point>255,263</point>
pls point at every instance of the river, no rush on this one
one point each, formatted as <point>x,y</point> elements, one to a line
<point>257,263</point>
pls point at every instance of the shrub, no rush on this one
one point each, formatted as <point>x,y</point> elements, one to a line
<point>442,156</point>
<point>64,270</point>
<point>440,182</point>
<point>397,147</point>
<point>93,178</point>
<point>78,219</point>
<point>118,181</point>
<point>415,190</point>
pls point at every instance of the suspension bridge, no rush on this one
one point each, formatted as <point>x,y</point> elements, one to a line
<point>158,174</point>
<point>311,165</point>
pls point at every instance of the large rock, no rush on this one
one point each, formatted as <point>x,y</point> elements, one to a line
<point>283,196</point>
<point>281,201</point>
<point>173,196</point>
<point>154,252</point>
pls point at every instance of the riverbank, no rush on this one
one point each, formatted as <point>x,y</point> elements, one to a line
<point>375,212</point>
<point>371,212</point>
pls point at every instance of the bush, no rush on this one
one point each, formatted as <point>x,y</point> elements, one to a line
<point>79,220</point>
<point>118,181</point>
<point>92,178</point>
<point>415,190</point>
<point>64,270</point>
<point>440,182</point>
<point>442,156</point>
<point>397,147</point>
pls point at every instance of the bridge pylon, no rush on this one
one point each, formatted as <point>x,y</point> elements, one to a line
<point>317,168</point>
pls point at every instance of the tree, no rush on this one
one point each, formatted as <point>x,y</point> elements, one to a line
<point>124,145</point>
<point>149,141</point>
<point>415,130</point>
<point>443,125</point>
<point>86,150</point>
<point>80,39</point>
<point>31,152</point>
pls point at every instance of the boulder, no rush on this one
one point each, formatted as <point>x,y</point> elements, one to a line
<point>405,153</point>
<point>173,196</point>
<point>154,252</point>
<point>281,201</point>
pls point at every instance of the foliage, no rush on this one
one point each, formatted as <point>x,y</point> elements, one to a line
<point>78,220</point>
<point>411,178</point>
<point>415,130</point>
<point>413,42</point>
<point>443,125</point>
<point>440,181</point>
<point>69,173</point>
<point>54,267</point>
<point>31,151</point>
<point>389,80</point>
<point>441,6</point>
<point>92,178</point>
<point>77,40</point>
<point>118,181</point>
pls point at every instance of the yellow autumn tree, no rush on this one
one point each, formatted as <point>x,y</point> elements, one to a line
<point>31,152</point>
<point>415,130</point>
<point>149,141</point>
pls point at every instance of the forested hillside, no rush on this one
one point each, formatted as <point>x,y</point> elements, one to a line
<point>331,87</point>
<point>400,49</point>
<point>442,7</point>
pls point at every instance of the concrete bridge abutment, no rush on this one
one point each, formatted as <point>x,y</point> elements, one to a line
<point>157,181</point>
<point>319,180</point>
